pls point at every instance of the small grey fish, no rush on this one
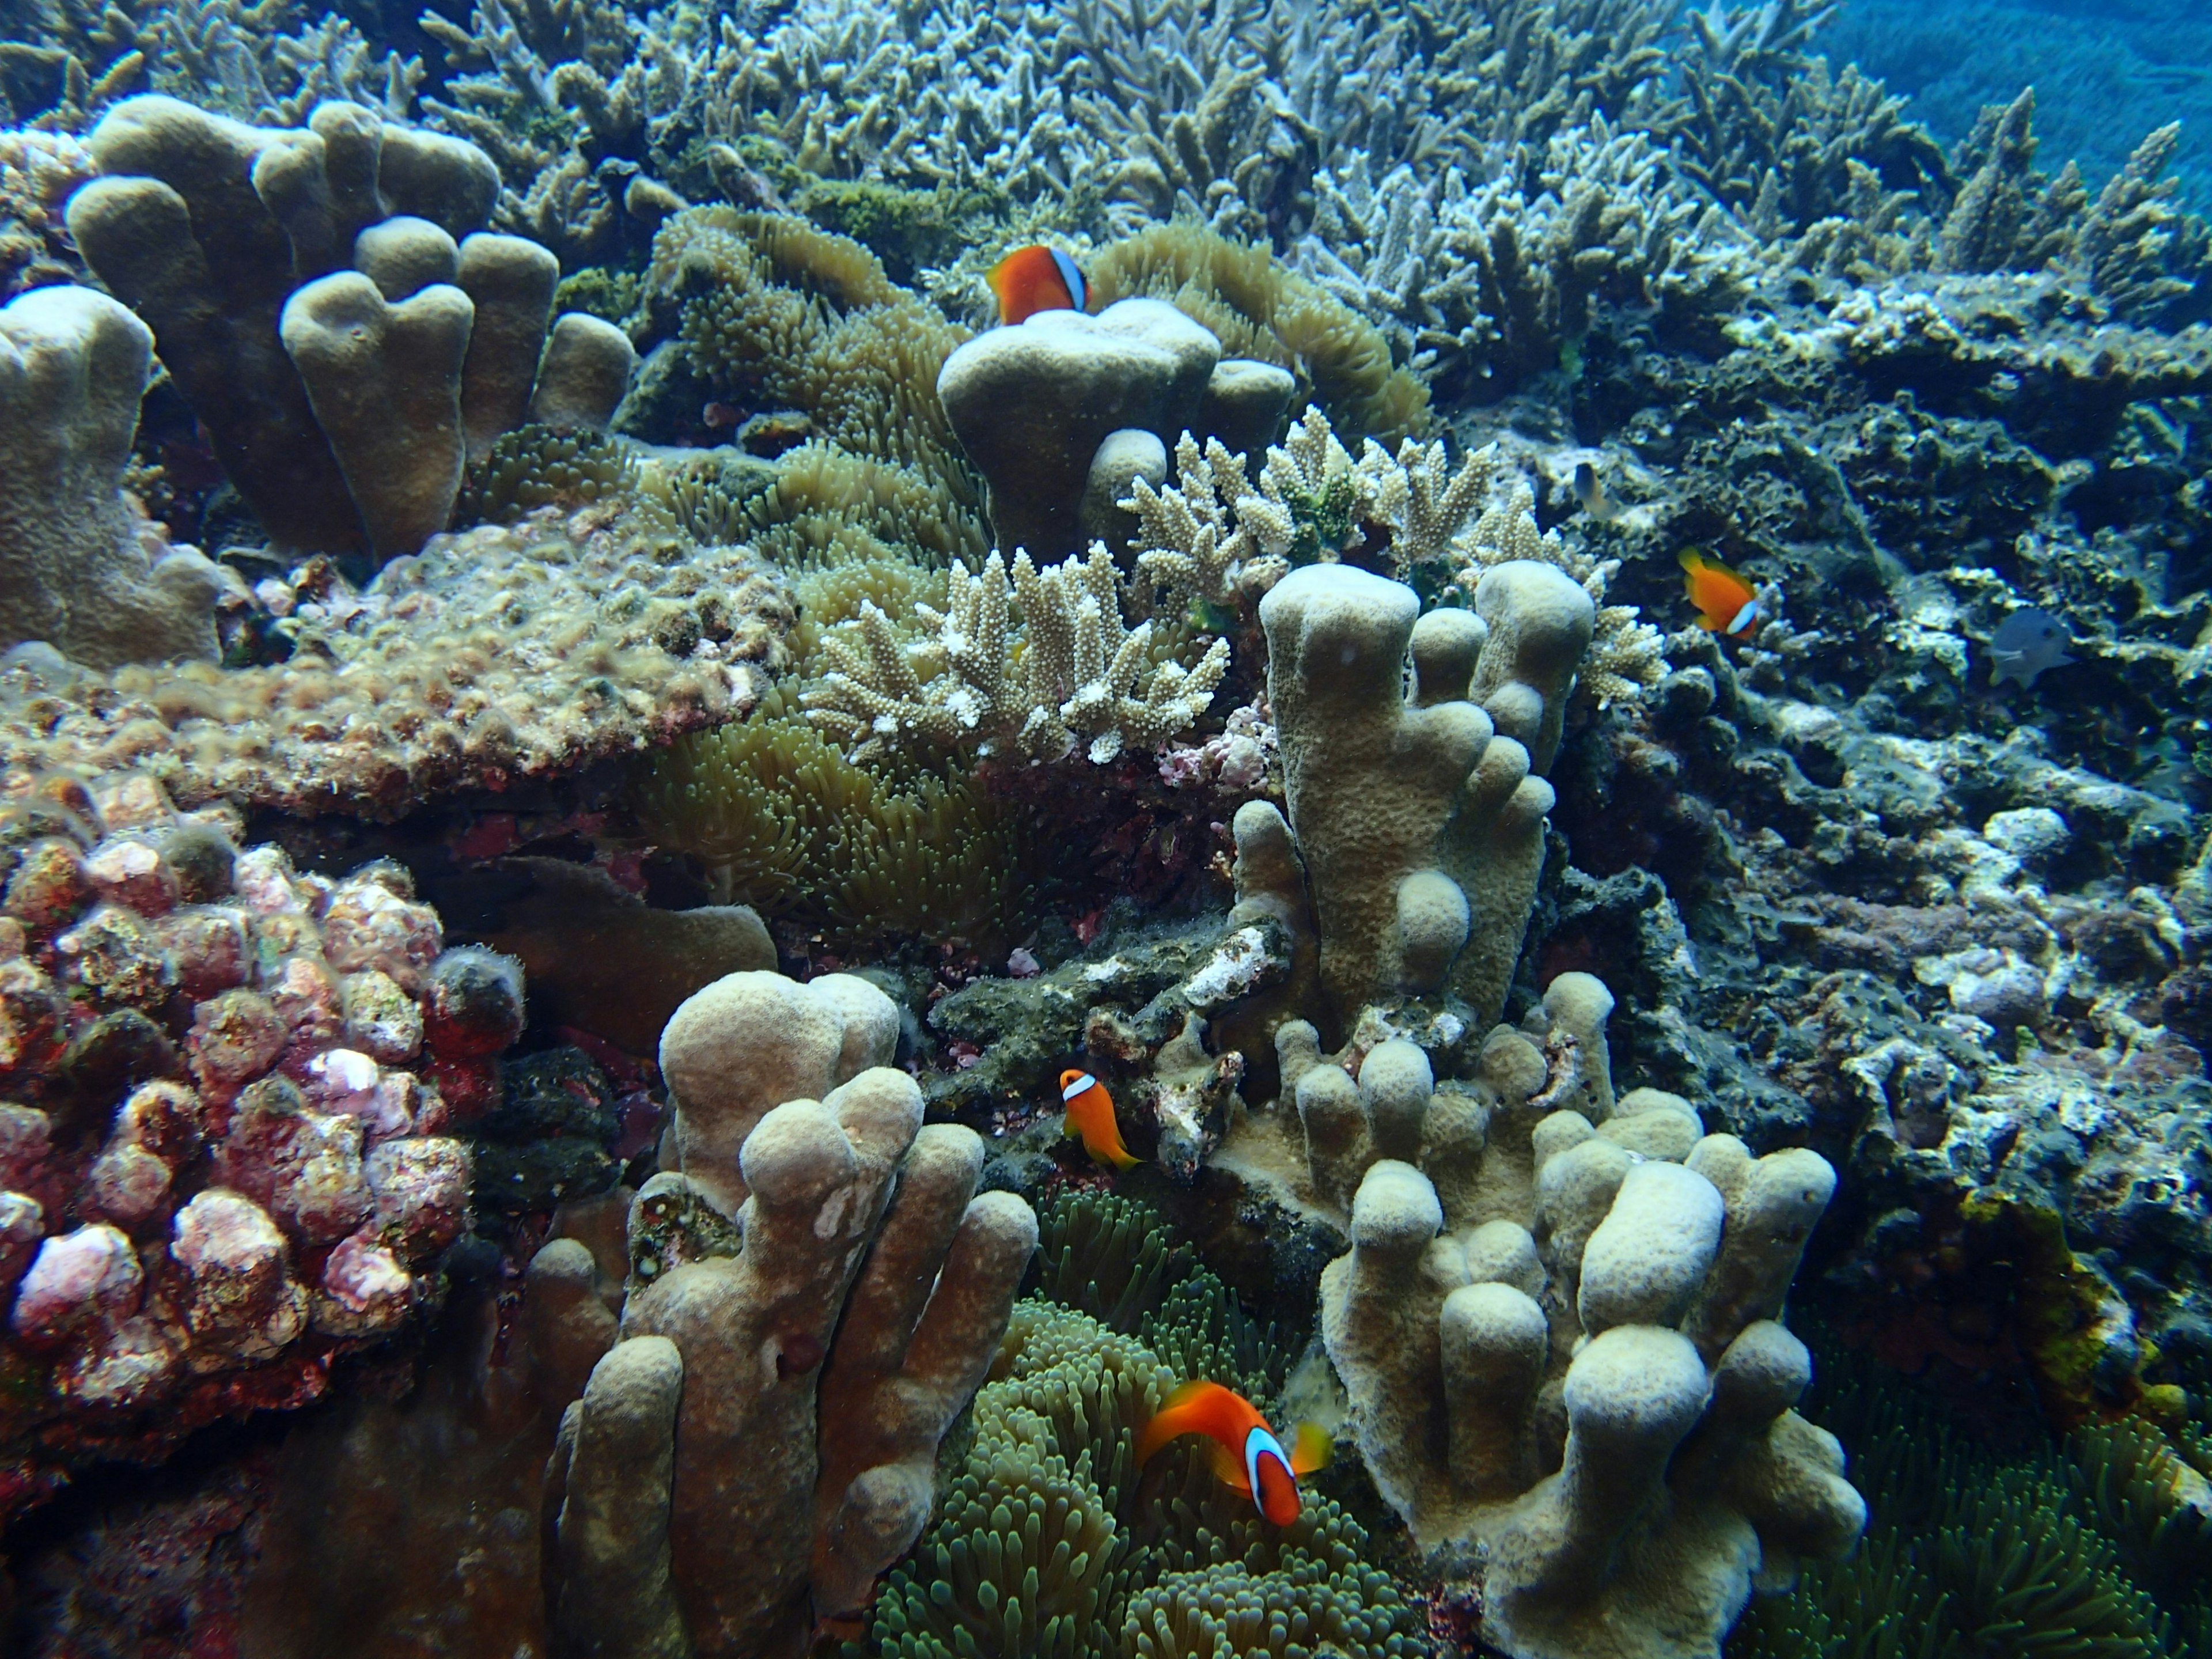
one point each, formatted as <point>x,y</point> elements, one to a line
<point>2026,643</point>
<point>1589,490</point>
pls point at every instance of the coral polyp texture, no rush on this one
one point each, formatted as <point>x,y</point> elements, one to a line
<point>232,1098</point>
<point>497,655</point>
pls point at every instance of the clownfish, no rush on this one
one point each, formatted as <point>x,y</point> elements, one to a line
<point>1727,603</point>
<point>1245,1453</point>
<point>1035,278</point>
<point>1090,1115</point>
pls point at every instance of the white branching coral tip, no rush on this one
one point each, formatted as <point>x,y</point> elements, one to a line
<point>1214,538</point>
<point>1069,671</point>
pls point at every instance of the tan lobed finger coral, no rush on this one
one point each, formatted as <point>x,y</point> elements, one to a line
<point>1558,1330</point>
<point>1418,818</point>
<point>761,1443</point>
<point>307,292</point>
<point>82,570</point>
<point>1033,404</point>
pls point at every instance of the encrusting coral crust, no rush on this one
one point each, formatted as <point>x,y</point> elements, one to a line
<point>498,654</point>
<point>228,1147</point>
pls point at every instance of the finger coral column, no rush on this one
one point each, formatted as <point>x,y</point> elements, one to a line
<point>1558,1333</point>
<point>1420,827</point>
<point>762,1441</point>
<point>76,572</point>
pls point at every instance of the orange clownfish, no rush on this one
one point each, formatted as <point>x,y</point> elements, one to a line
<point>1245,1452</point>
<point>1090,1115</point>
<point>1727,603</point>
<point>1035,278</point>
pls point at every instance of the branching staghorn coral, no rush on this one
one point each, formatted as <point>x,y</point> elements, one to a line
<point>258,60</point>
<point>830,599</point>
<point>1214,537</point>
<point>1071,671</point>
<point>1763,127</point>
<point>1486,285</point>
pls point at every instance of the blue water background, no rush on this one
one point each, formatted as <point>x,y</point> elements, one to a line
<point>2105,72</point>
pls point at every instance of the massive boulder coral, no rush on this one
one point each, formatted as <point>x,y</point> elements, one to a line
<point>1558,1328</point>
<point>762,1442</point>
<point>77,572</point>
<point>234,243</point>
<point>224,1146</point>
<point>1064,406</point>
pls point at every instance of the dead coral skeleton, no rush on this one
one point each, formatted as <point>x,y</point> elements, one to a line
<point>1068,670</point>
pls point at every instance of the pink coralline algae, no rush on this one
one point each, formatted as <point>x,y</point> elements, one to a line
<point>222,1084</point>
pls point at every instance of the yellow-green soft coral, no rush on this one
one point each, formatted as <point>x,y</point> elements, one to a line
<point>1262,309</point>
<point>784,821</point>
<point>1116,1259</point>
<point>775,306</point>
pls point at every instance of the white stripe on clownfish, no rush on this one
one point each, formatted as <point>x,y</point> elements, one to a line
<point>1080,1085</point>
<point>1259,1444</point>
